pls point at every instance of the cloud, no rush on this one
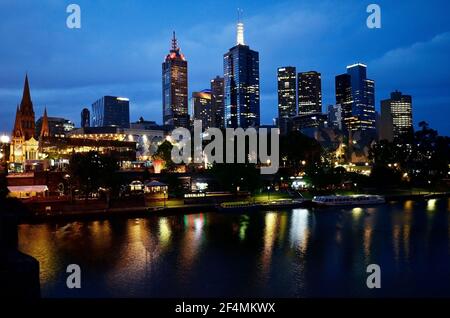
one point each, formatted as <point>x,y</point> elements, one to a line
<point>425,64</point>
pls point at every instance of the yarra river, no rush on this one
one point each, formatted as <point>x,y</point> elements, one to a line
<point>295,253</point>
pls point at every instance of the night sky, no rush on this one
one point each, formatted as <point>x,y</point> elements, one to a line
<point>121,45</point>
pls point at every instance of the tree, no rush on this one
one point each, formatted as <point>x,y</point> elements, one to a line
<point>90,171</point>
<point>231,176</point>
<point>298,150</point>
<point>164,153</point>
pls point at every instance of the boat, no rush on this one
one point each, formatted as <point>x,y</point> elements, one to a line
<point>348,200</point>
<point>283,203</point>
<point>237,207</point>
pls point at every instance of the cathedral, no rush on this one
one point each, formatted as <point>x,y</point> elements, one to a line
<point>24,145</point>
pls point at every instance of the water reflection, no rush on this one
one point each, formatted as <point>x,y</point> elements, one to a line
<point>299,232</point>
<point>293,253</point>
<point>431,205</point>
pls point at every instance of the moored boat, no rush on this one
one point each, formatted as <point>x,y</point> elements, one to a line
<point>237,207</point>
<point>349,200</point>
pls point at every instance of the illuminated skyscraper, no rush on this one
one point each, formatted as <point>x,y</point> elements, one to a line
<point>396,117</point>
<point>287,96</point>
<point>218,102</point>
<point>202,107</point>
<point>309,93</point>
<point>241,77</point>
<point>175,88</point>
<point>356,95</point>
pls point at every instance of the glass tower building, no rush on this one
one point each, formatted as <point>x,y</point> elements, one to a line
<point>202,108</point>
<point>241,80</point>
<point>309,93</point>
<point>111,111</point>
<point>356,95</point>
<point>218,102</point>
<point>287,96</point>
<point>175,88</point>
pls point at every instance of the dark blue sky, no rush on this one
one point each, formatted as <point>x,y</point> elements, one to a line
<point>120,47</point>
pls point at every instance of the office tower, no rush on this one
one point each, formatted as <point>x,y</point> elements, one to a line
<point>175,88</point>
<point>396,117</point>
<point>111,111</point>
<point>335,116</point>
<point>344,99</point>
<point>202,107</point>
<point>218,102</point>
<point>85,118</point>
<point>309,93</point>
<point>241,77</point>
<point>356,95</point>
<point>287,96</point>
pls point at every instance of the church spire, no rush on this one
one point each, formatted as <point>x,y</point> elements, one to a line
<point>26,105</point>
<point>17,131</point>
<point>45,131</point>
<point>26,113</point>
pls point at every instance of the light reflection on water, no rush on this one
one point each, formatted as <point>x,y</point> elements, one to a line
<point>292,253</point>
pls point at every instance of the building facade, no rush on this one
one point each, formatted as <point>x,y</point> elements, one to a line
<point>23,145</point>
<point>175,88</point>
<point>85,118</point>
<point>355,93</point>
<point>54,126</point>
<point>309,93</point>
<point>396,117</point>
<point>218,101</point>
<point>111,111</point>
<point>202,108</point>
<point>241,77</point>
<point>287,96</point>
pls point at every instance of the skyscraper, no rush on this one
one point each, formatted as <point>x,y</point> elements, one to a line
<point>396,117</point>
<point>287,96</point>
<point>344,100</point>
<point>241,77</point>
<point>218,103</point>
<point>356,95</point>
<point>202,107</point>
<point>335,116</point>
<point>85,118</point>
<point>309,93</point>
<point>111,111</point>
<point>175,88</point>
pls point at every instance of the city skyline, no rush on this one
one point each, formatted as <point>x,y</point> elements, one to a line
<point>70,91</point>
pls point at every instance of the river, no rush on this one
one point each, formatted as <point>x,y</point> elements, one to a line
<point>295,253</point>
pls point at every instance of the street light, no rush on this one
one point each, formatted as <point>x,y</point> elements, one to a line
<point>4,139</point>
<point>268,193</point>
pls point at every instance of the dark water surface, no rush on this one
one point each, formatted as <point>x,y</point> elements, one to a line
<point>298,253</point>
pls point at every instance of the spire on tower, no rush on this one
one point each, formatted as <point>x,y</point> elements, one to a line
<point>174,42</point>
<point>240,30</point>
<point>45,131</point>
